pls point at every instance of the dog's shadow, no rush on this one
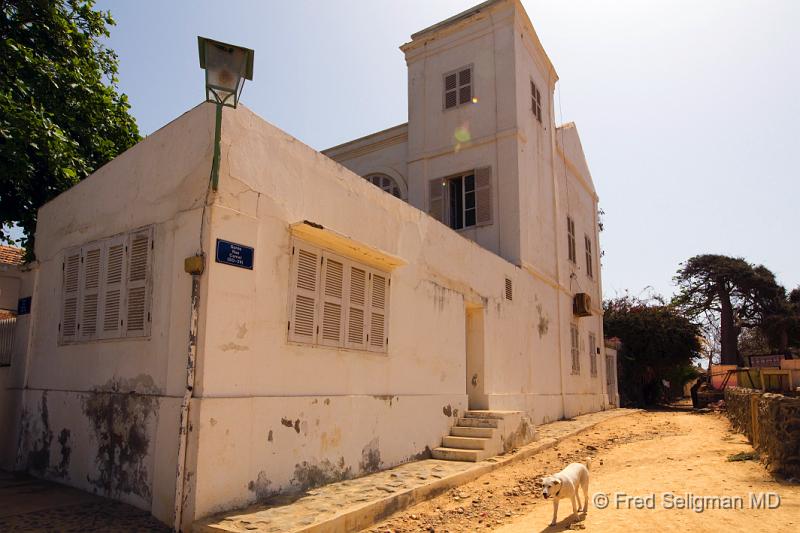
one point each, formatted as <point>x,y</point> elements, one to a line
<point>564,524</point>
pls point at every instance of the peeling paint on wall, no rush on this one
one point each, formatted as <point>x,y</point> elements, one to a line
<point>544,321</point>
<point>388,398</point>
<point>36,438</point>
<point>261,487</point>
<point>289,424</point>
<point>308,475</point>
<point>119,413</point>
<point>447,410</point>
<point>370,457</point>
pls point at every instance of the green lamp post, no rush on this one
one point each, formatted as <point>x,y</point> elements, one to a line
<point>226,66</point>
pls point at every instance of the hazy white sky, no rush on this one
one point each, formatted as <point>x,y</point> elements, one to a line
<point>688,110</point>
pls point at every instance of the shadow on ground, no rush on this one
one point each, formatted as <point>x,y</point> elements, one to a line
<point>33,505</point>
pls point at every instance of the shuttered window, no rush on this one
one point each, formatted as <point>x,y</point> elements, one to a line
<point>589,256</point>
<point>457,88</point>
<point>575,345</point>
<point>593,354</point>
<point>571,239</point>
<point>536,102</point>
<point>462,201</point>
<point>70,287</point>
<point>336,301</point>
<point>106,288</point>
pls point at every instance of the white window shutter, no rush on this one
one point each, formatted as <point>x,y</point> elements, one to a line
<point>70,290</point>
<point>112,302</point>
<point>483,196</point>
<point>305,282</point>
<point>357,308</point>
<point>436,199</point>
<point>378,311</point>
<point>136,320</point>
<point>331,313</point>
<point>91,278</point>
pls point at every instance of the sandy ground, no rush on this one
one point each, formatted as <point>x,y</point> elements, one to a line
<point>673,452</point>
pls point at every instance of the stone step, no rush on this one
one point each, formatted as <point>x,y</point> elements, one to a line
<point>488,414</point>
<point>467,443</point>
<point>477,422</point>
<point>466,431</point>
<point>457,454</point>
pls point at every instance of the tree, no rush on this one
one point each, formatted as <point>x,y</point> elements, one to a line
<point>731,289</point>
<point>657,343</point>
<point>61,115</point>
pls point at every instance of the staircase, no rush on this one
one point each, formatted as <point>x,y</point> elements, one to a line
<point>483,434</point>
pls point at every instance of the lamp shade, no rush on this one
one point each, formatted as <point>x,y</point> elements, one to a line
<point>226,66</point>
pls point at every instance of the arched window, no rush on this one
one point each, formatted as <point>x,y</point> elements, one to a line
<point>385,183</point>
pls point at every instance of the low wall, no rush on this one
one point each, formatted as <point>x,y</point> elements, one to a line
<point>771,423</point>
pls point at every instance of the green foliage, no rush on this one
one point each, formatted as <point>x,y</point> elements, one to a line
<point>61,116</point>
<point>658,342</point>
<point>731,293</point>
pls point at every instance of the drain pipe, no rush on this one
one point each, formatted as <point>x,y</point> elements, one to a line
<point>193,265</point>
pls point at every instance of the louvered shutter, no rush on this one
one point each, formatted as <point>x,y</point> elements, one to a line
<point>305,281</point>
<point>483,196</point>
<point>331,318</point>
<point>91,277</point>
<point>465,86</point>
<point>70,289</point>
<point>436,199</point>
<point>450,90</point>
<point>357,308</point>
<point>136,321</point>
<point>378,311</point>
<point>112,301</point>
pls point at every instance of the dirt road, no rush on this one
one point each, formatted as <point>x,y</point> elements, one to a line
<point>668,454</point>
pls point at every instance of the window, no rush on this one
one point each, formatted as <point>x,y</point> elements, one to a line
<point>536,102</point>
<point>336,301</point>
<point>576,354</point>
<point>458,88</point>
<point>588,245</point>
<point>462,201</point>
<point>509,290</point>
<point>571,239</point>
<point>385,183</point>
<point>106,288</point>
<point>593,354</point>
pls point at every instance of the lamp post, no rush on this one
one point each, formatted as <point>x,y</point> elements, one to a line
<point>226,66</point>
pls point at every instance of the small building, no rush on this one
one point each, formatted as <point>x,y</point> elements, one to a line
<point>354,303</point>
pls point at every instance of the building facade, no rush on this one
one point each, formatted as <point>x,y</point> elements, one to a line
<point>353,305</point>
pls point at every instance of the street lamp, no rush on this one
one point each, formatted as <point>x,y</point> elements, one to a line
<point>226,66</point>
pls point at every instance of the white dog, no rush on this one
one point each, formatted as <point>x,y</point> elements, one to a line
<point>565,484</point>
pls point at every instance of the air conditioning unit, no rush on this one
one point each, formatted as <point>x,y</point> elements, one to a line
<point>582,304</point>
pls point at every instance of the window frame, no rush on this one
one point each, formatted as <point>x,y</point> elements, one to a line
<point>575,348</point>
<point>459,86</point>
<point>593,354</point>
<point>536,101</point>
<point>379,175</point>
<point>588,251</point>
<point>100,290</point>
<point>571,252</point>
<point>346,302</point>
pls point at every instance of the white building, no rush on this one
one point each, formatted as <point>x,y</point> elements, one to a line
<point>368,322</point>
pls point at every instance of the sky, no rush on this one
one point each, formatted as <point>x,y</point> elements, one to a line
<point>688,111</point>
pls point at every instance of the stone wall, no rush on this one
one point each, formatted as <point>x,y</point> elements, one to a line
<point>771,423</point>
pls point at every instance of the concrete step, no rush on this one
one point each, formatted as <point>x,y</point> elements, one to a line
<point>466,431</point>
<point>466,443</point>
<point>457,454</point>
<point>477,422</point>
